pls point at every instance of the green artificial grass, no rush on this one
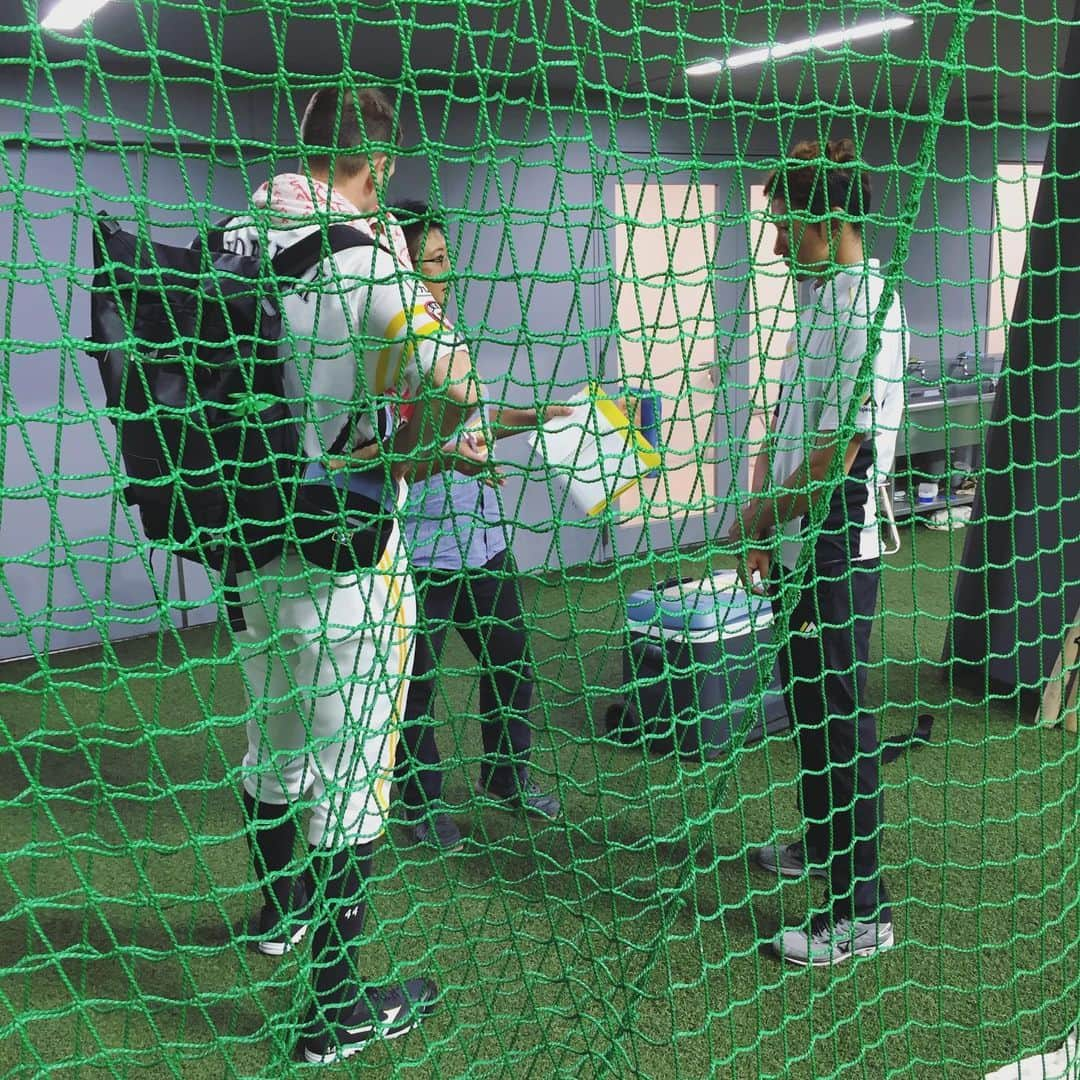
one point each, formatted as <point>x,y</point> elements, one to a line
<point>594,946</point>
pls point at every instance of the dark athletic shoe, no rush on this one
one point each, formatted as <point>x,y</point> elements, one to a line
<point>439,831</point>
<point>381,1013</point>
<point>527,797</point>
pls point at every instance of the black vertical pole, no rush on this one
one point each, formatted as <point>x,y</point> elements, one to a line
<point>1019,584</point>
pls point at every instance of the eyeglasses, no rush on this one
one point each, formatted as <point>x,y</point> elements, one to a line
<point>440,261</point>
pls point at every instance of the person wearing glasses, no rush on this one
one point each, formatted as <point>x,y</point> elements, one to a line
<point>465,580</point>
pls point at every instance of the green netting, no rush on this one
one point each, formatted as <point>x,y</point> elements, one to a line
<point>607,233</point>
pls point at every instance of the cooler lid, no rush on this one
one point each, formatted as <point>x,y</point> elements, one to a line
<point>718,604</point>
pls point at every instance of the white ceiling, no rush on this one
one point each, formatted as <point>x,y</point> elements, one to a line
<point>514,47</point>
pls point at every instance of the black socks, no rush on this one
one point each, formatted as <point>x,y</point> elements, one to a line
<point>337,916</point>
<point>271,835</point>
<point>339,924</point>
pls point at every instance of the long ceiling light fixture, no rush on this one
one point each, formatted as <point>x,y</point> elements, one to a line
<point>71,14</point>
<point>792,48</point>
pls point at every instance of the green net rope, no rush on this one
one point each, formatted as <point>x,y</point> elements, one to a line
<point>628,936</point>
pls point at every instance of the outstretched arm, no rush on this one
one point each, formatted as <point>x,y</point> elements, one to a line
<point>449,396</point>
<point>507,421</point>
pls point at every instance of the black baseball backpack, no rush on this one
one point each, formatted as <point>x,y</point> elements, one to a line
<point>190,346</point>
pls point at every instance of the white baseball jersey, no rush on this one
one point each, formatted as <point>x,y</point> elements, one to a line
<point>364,329</point>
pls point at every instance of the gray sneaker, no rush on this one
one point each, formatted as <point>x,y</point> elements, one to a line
<point>825,942</point>
<point>526,796</point>
<point>788,860</point>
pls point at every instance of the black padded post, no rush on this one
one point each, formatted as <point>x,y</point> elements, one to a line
<point>1019,585</point>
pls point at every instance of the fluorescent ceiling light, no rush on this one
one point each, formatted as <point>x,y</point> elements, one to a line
<point>808,44</point>
<point>70,14</point>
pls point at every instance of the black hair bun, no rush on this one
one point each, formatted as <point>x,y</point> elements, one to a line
<point>841,151</point>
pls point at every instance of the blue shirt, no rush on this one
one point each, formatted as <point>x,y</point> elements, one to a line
<point>452,521</point>
<point>371,483</point>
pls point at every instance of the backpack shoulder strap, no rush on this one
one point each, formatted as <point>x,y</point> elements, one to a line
<point>215,235</point>
<point>297,259</point>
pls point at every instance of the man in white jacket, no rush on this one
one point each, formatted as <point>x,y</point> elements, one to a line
<point>327,657</point>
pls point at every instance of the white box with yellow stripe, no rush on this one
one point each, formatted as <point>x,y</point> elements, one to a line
<point>595,451</point>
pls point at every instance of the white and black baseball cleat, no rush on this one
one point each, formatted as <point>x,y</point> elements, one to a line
<point>384,1012</point>
<point>272,934</point>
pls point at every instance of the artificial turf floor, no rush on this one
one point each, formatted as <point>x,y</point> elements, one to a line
<point>624,940</point>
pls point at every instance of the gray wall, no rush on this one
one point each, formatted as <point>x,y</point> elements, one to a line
<point>529,195</point>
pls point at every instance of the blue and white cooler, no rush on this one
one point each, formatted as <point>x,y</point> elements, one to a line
<point>691,663</point>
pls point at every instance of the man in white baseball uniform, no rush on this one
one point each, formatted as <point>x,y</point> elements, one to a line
<point>327,655</point>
